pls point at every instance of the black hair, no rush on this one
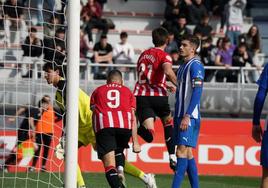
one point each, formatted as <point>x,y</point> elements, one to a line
<point>182,16</point>
<point>160,36</point>
<point>205,16</point>
<point>192,39</point>
<point>60,30</point>
<point>123,34</point>
<point>242,44</point>
<point>225,39</point>
<point>46,97</point>
<point>103,36</point>
<point>33,30</point>
<point>114,74</point>
<point>42,101</point>
<point>209,39</point>
<point>53,66</point>
<point>54,16</point>
<point>174,51</point>
<point>171,32</point>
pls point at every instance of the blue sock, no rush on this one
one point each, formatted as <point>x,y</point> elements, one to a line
<point>181,168</point>
<point>192,173</point>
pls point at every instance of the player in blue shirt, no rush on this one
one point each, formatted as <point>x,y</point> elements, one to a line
<point>190,78</point>
<point>257,133</point>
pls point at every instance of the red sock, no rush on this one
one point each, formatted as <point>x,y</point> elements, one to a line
<point>112,177</point>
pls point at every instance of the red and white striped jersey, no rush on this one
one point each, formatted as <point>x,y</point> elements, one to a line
<point>151,77</point>
<point>112,105</point>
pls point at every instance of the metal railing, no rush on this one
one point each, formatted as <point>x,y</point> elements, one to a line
<point>217,97</point>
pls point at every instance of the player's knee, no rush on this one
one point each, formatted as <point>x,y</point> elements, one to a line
<point>109,159</point>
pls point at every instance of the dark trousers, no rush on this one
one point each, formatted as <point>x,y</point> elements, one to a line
<point>229,74</point>
<point>45,140</point>
<point>100,24</point>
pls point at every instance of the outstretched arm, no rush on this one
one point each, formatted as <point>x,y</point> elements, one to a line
<point>20,111</point>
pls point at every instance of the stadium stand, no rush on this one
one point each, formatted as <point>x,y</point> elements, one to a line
<point>138,18</point>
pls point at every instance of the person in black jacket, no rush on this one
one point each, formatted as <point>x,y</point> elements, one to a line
<point>241,57</point>
<point>14,19</point>
<point>195,11</point>
<point>204,28</point>
<point>180,29</point>
<point>32,50</point>
<point>173,10</point>
<point>55,47</point>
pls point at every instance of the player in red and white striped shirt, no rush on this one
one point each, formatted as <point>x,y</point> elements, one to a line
<point>154,66</point>
<point>151,75</point>
<point>113,107</point>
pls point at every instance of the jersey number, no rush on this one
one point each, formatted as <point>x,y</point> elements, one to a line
<point>114,98</point>
<point>145,75</point>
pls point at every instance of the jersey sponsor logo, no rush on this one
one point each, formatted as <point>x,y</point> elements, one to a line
<point>184,138</point>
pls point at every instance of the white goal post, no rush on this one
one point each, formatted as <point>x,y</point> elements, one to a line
<point>22,86</point>
<point>73,48</point>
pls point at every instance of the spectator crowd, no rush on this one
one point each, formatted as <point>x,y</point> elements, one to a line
<point>227,47</point>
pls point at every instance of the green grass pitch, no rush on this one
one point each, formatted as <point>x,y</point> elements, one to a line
<point>47,180</point>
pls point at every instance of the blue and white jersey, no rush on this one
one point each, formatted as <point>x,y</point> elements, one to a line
<point>260,97</point>
<point>190,77</point>
<point>263,80</point>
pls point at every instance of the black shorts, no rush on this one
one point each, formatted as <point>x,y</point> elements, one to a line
<point>111,139</point>
<point>22,136</point>
<point>150,107</point>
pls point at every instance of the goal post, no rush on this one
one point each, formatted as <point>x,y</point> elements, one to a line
<point>23,86</point>
<point>73,48</point>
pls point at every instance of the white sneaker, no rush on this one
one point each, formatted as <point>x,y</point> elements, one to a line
<point>31,169</point>
<point>5,170</point>
<point>151,181</point>
<point>122,178</point>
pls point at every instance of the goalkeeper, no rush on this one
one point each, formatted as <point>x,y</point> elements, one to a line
<point>86,136</point>
<point>53,75</point>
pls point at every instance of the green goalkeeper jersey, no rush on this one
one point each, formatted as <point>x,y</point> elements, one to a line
<point>86,133</point>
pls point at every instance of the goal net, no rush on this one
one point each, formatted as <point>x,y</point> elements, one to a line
<point>32,33</point>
